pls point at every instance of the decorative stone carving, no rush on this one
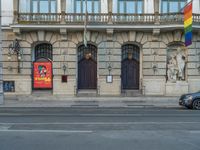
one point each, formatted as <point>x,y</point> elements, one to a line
<point>176,61</point>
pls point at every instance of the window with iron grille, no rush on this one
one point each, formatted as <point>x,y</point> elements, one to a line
<point>43,50</point>
<point>130,49</point>
<point>90,49</point>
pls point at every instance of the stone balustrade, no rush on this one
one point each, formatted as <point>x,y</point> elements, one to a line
<point>103,18</point>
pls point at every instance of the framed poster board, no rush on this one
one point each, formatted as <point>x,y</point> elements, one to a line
<point>64,78</point>
<point>9,86</point>
<point>109,79</point>
<point>42,75</point>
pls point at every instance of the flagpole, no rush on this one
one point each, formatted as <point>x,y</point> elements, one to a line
<point>85,25</point>
<point>181,10</point>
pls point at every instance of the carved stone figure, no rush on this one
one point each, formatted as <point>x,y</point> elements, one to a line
<point>176,65</point>
<point>180,57</point>
<point>172,69</point>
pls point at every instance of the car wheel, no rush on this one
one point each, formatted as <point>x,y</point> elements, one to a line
<point>196,104</point>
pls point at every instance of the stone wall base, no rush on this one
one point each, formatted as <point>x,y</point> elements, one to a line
<point>177,89</point>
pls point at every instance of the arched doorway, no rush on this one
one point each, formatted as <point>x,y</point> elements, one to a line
<point>130,64</point>
<point>42,67</point>
<point>87,67</point>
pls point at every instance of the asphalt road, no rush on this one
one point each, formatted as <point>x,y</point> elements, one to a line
<point>99,129</point>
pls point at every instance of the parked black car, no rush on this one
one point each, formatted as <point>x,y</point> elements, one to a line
<point>191,100</point>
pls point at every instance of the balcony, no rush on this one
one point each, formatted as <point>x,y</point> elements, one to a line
<point>104,20</point>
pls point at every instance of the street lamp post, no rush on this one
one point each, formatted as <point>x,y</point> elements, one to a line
<point>14,48</point>
<point>1,65</point>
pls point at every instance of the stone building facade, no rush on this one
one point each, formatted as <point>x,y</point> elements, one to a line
<point>126,55</point>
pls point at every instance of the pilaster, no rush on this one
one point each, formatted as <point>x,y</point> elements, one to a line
<point>15,10</point>
<point>63,10</point>
<point>110,3</point>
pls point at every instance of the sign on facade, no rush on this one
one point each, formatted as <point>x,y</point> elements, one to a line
<point>42,75</point>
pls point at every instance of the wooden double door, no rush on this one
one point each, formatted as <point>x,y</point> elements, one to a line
<point>130,72</point>
<point>87,67</point>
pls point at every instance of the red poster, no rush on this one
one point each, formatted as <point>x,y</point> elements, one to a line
<point>42,75</point>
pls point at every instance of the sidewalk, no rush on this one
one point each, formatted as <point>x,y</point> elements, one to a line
<point>101,102</point>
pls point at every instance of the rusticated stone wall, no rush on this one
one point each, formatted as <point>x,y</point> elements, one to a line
<point>153,59</point>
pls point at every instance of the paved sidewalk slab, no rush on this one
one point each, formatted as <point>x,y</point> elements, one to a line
<point>55,101</point>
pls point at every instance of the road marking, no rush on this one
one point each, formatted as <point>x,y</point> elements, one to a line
<point>49,131</point>
<point>95,123</point>
<point>195,131</point>
<point>102,115</point>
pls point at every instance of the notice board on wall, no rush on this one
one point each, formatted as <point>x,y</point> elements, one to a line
<point>42,75</point>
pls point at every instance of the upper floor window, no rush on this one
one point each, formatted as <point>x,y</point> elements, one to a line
<point>37,6</point>
<point>128,6</point>
<point>169,6</point>
<point>43,51</point>
<point>78,6</point>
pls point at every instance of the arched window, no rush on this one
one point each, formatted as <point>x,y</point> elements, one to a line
<point>130,49</point>
<point>43,51</point>
<point>90,50</point>
<point>169,6</point>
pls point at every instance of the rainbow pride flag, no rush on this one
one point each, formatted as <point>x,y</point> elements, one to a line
<point>188,23</point>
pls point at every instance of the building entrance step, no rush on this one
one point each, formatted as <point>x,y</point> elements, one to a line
<point>42,92</point>
<point>86,93</point>
<point>131,93</point>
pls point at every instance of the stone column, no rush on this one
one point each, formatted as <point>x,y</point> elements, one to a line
<point>63,10</point>
<point>15,10</point>
<point>1,64</point>
<point>110,4</point>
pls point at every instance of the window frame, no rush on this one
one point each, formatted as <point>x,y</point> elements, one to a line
<point>82,4</point>
<point>43,51</point>
<point>38,5</point>
<point>125,6</point>
<point>168,5</point>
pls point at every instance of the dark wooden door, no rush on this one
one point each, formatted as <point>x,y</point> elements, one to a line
<point>87,74</point>
<point>130,74</point>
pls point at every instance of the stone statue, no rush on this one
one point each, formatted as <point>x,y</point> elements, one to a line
<point>172,69</point>
<point>180,57</point>
<point>176,66</point>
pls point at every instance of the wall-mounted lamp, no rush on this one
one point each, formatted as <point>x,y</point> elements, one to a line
<point>64,67</point>
<point>198,63</point>
<point>154,64</point>
<point>154,67</point>
<point>198,68</point>
<point>14,48</point>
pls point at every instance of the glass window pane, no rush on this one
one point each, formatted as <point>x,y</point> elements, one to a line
<point>140,7</point>
<point>114,6</point>
<point>53,7</point>
<point>130,7</point>
<point>24,6</point>
<point>78,6</point>
<point>35,6</point>
<point>182,4</point>
<point>164,7</point>
<point>96,7</point>
<point>173,7</point>
<point>44,6</point>
<point>121,7</point>
<point>70,6</point>
<point>89,6</point>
